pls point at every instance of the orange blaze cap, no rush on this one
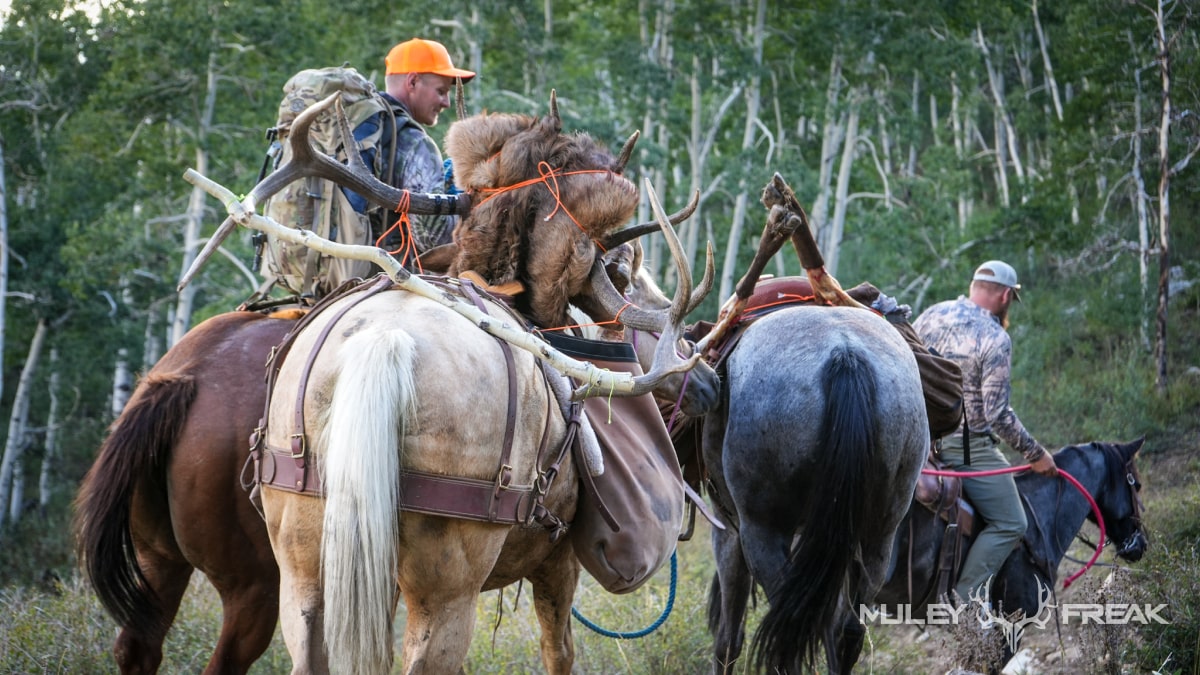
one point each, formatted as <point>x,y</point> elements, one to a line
<point>423,56</point>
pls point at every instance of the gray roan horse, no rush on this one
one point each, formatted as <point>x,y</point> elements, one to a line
<point>1055,511</point>
<point>812,457</point>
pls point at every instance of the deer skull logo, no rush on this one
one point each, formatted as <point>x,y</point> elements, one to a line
<point>1013,627</point>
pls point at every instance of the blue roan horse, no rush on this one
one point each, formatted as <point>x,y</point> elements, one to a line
<point>1055,510</point>
<point>812,458</point>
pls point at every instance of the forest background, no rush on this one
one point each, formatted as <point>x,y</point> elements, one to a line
<point>924,136</point>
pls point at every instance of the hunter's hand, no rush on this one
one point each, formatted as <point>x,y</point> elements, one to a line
<point>1044,465</point>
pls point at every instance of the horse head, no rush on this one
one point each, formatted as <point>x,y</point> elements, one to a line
<point>1120,500</point>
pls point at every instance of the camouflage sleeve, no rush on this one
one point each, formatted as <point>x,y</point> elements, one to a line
<point>997,392</point>
<point>419,169</point>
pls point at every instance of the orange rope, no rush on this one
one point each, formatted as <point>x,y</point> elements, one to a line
<point>547,174</point>
<point>408,243</point>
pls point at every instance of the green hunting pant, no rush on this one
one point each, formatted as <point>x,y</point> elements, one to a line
<point>996,500</point>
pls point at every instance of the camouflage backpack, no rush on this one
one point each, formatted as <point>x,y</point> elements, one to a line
<point>315,203</point>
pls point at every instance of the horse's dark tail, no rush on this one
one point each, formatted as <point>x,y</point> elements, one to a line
<point>805,600</point>
<point>134,455</point>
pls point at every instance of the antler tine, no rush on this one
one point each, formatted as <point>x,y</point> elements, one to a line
<point>627,151</point>
<point>630,233</point>
<point>554,106</point>
<point>666,357</point>
<point>706,282</point>
<point>607,303</point>
<point>460,104</point>
<point>355,175</point>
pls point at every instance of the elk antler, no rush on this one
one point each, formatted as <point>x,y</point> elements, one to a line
<point>606,303</point>
<point>641,229</point>
<point>306,162</point>
<point>666,359</point>
<point>601,382</point>
<point>627,151</point>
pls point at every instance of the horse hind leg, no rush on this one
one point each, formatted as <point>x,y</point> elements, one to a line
<point>250,610</point>
<point>553,594</point>
<point>139,650</point>
<point>728,597</point>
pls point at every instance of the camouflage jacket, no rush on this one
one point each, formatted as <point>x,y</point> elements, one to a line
<point>417,167</point>
<point>971,336</point>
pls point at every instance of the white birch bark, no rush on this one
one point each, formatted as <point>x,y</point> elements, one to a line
<point>50,457</point>
<point>18,421</point>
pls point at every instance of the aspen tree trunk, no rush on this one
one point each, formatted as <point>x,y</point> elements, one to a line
<point>960,145</point>
<point>837,226</point>
<point>151,345</point>
<point>1140,198</point>
<point>910,169</point>
<point>195,210</point>
<point>3,257</point>
<point>831,138</point>
<point>1162,47</point>
<point>16,506</point>
<point>19,420</point>
<point>50,457</point>
<point>654,30</point>
<point>1005,134</point>
<point>753,101</point>
<point>1051,84</point>
<point>122,383</point>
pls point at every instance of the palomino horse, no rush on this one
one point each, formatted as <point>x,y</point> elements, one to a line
<point>1055,513</point>
<point>403,385</point>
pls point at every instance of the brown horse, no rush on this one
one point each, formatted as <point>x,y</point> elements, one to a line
<point>163,497</point>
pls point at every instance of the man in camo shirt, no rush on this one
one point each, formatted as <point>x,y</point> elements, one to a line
<point>419,78</point>
<point>972,332</point>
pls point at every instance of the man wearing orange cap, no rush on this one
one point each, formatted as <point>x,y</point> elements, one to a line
<point>418,82</point>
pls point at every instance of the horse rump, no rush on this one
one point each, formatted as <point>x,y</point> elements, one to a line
<point>805,600</point>
<point>132,458</point>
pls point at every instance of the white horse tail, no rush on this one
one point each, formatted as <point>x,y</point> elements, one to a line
<point>373,396</point>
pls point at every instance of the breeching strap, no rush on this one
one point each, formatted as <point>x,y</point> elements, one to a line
<point>1070,479</point>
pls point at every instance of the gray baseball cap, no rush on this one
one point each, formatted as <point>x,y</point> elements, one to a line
<point>999,272</point>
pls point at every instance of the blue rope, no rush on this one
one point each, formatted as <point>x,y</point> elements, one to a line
<point>645,631</point>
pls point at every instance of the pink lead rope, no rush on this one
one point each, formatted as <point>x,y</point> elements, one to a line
<point>1071,479</point>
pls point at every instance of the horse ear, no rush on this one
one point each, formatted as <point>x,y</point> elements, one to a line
<point>1131,449</point>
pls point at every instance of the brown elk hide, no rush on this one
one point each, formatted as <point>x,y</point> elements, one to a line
<point>541,234</point>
